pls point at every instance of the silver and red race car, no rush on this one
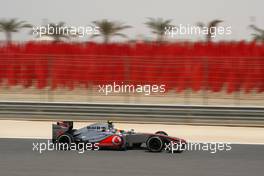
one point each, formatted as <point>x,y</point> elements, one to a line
<point>108,137</point>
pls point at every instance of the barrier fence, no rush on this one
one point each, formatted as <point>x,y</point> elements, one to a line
<point>167,114</point>
<point>233,71</point>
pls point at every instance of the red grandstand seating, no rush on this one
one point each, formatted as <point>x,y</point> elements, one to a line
<point>180,66</point>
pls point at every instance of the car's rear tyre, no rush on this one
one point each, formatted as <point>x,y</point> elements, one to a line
<point>65,141</point>
<point>155,144</point>
<point>162,132</point>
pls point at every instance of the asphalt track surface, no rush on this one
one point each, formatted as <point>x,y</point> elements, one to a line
<point>18,159</point>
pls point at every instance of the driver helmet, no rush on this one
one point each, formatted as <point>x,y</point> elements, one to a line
<point>110,124</point>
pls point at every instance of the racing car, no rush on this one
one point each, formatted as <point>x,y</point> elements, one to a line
<point>108,137</point>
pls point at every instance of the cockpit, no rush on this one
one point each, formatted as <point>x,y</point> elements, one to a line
<point>101,127</point>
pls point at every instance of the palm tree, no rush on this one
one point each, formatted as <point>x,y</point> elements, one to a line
<point>211,28</point>
<point>258,36</point>
<point>109,29</point>
<point>12,25</point>
<point>158,27</point>
<point>57,32</point>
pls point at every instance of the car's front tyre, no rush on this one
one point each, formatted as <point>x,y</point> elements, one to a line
<point>155,144</point>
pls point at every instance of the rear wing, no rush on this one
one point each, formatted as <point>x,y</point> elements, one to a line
<point>60,128</point>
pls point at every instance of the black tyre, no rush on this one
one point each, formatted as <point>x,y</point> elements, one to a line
<point>64,141</point>
<point>155,144</point>
<point>162,132</point>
